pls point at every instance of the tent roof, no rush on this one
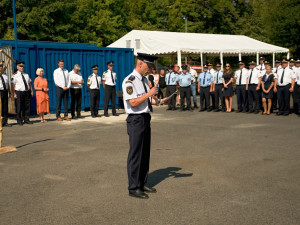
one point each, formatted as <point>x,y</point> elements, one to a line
<point>166,43</point>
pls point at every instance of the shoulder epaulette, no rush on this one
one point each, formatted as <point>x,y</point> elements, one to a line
<point>131,78</point>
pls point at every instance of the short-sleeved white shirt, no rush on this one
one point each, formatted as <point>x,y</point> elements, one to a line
<point>19,83</point>
<point>93,82</point>
<point>107,77</point>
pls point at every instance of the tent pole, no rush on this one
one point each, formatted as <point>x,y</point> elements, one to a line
<point>221,58</point>
<point>273,59</point>
<point>288,55</point>
<point>179,58</point>
<point>240,56</point>
<point>257,58</point>
<point>201,57</point>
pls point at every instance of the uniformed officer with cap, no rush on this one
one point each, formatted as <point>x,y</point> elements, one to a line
<point>171,81</point>
<point>275,70</point>
<point>93,83</point>
<point>261,65</point>
<point>138,100</point>
<point>109,83</point>
<point>185,79</point>
<point>297,85</point>
<point>22,93</point>
<point>205,81</point>
<point>254,82</point>
<point>5,93</point>
<point>241,87</point>
<point>284,84</point>
<point>292,66</point>
<point>218,86</point>
<point>212,92</point>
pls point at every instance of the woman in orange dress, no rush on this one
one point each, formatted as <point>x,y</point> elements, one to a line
<point>42,97</point>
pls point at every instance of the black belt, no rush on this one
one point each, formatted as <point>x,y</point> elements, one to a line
<point>219,84</point>
<point>241,85</point>
<point>205,87</point>
<point>23,91</point>
<point>185,86</point>
<point>284,86</point>
<point>94,89</point>
<point>172,85</point>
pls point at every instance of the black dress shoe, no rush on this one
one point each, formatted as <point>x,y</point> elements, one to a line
<point>106,115</point>
<point>93,116</point>
<point>216,110</point>
<point>115,114</point>
<point>20,123</point>
<point>138,194</point>
<point>168,109</point>
<point>6,125</point>
<point>28,122</point>
<point>279,114</point>
<point>149,189</point>
<point>209,110</point>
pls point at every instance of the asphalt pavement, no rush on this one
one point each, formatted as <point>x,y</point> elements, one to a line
<point>207,167</point>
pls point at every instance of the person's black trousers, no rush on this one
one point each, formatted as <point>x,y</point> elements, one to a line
<point>241,97</point>
<point>23,99</point>
<point>219,96</point>
<point>204,95</point>
<point>110,94</point>
<point>170,90</point>
<point>274,101</point>
<point>185,93</point>
<point>295,98</point>
<point>94,101</point>
<point>253,97</point>
<point>283,95</point>
<point>213,98</point>
<point>139,131</point>
<point>76,96</point>
<point>61,94</point>
<point>4,100</point>
<point>298,92</point>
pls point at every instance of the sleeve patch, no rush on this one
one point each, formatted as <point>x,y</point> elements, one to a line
<point>129,90</point>
<point>128,81</point>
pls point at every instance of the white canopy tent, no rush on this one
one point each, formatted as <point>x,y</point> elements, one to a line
<point>163,43</point>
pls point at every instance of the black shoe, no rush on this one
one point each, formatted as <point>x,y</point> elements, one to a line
<point>181,110</point>
<point>6,125</point>
<point>74,117</point>
<point>201,110</point>
<point>28,122</point>
<point>138,194</point>
<point>173,109</point>
<point>251,111</point>
<point>149,189</point>
<point>279,114</point>
<point>20,123</point>
<point>80,117</point>
<point>93,116</point>
<point>256,112</point>
<point>106,115</point>
<point>216,110</point>
<point>115,114</point>
<point>169,109</point>
<point>209,110</point>
<point>286,114</point>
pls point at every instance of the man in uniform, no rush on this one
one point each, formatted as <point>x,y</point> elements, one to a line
<point>284,84</point>
<point>62,83</point>
<point>297,85</point>
<point>171,81</point>
<point>218,85</point>
<point>205,81</point>
<point>22,93</point>
<point>5,93</point>
<point>93,83</point>
<point>109,83</point>
<point>212,92</point>
<point>75,90</point>
<point>193,85</point>
<point>293,67</point>
<point>241,87</point>
<point>275,70</point>
<point>261,65</point>
<point>138,100</point>
<point>185,88</point>
<point>254,80</point>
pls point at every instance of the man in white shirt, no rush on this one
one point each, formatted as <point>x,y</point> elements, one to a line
<point>109,83</point>
<point>297,85</point>
<point>4,92</point>
<point>284,84</point>
<point>93,84</point>
<point>275,70</point>
<point>62,83</point>
<point>254,80</point>
<point>193,85</point>
<point>212,93</point>
<point>293,67</point>
<point>261,65</point>
<point>218,86</point>
<point>22,93</point>
<point>75,90</point>
<point>241,78</point>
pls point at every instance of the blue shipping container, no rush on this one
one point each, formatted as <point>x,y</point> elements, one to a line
<point>47,54</point>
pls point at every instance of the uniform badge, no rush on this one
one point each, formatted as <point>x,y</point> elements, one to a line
<point>129,90</point>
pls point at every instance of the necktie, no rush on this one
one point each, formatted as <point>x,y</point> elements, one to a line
<point>281,80</point>
<point>204,78</point>
<point>240,81</point>
<point>169,79</point>
<point>218,77</point>
<point>148,100</point>
<point>25,83</point>
<point>260,67</point>
<point>250,76</point>
<point>3,83</point>
<point>112,78</point>
<point>65,78</point>
<point>97,81</point>
<point>276,69</point>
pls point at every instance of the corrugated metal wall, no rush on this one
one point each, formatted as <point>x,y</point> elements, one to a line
<point>46,55</point>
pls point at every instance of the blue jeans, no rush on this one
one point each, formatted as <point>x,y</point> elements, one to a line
<point>194,94</point>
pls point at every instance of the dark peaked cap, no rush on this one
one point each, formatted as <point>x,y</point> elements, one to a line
<point>149,59</point>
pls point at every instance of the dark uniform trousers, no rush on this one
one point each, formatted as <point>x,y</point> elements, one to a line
<point>76,96</point>
<point>204,95</point>
<point>283,95</point>
<point>213,99</point>
<point>185,93</point>
<point>241,96</point>
<point>253,97</point>
<point>295,98</point>
<point>110,94</point>
<point>94,101</point>
<point>170,90</point>
<point>219,96</point>
<point>61,94</point>
<point>23,99</point>
<point>274,101</point>
<point>139,131</point>
<point>298,92</point>
<point>4,100</point>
